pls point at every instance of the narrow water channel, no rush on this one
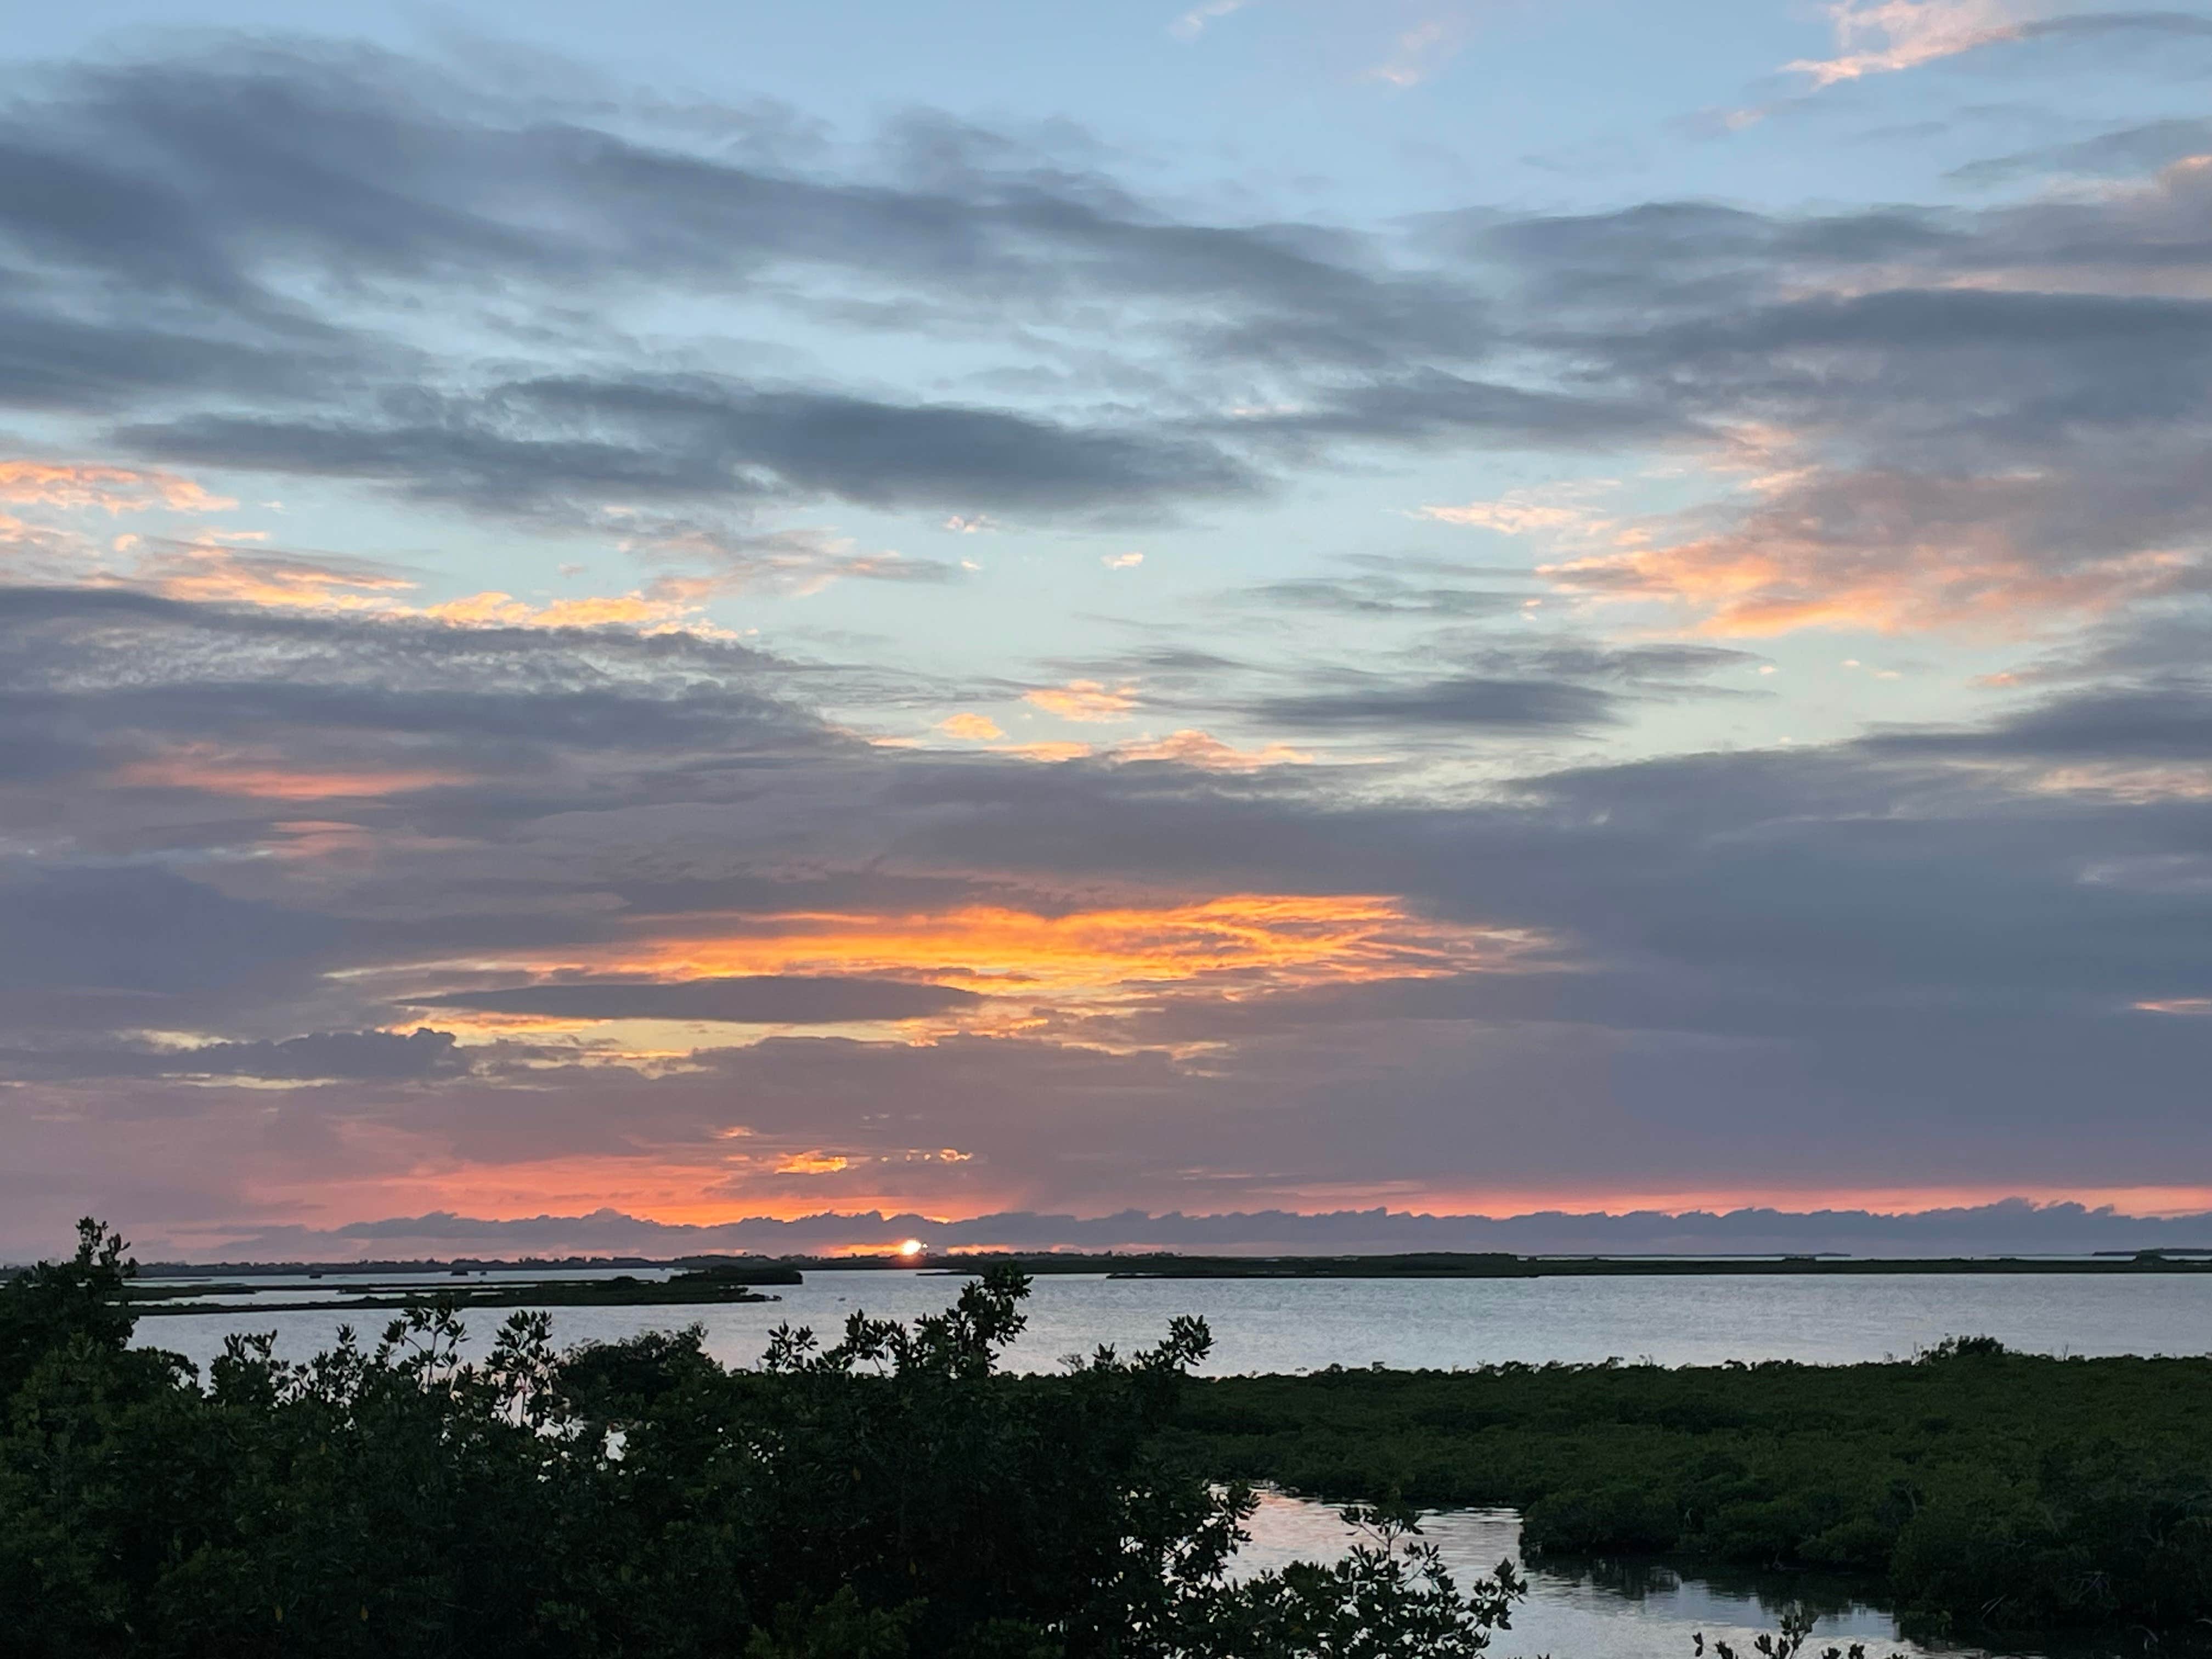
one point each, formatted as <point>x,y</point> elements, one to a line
<point>1600,1610</point>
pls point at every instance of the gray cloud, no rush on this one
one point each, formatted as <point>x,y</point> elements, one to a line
<point>530,447</point>
<point>2126,151</point>
<point>178,202</point>
<point>1380,594</point>
<point>2161,723</point>
<point>213,191</point>
<point>364,162</point>
<point>1470,704</point>
<point>52,361</point>
<point>1527,683</point>
<point>767,1000</point>
<point>2119,23</point>
<point>128,927</point>
<point>320,1057</point>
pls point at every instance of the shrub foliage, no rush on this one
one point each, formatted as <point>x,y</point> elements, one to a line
<point>1988,1488</point>
<point>885,1495</point>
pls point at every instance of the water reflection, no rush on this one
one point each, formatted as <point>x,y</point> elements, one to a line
<point>1617,1610</point>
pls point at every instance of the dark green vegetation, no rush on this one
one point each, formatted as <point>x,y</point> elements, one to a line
<point>1987,1488</point>
<point>884,1495</point>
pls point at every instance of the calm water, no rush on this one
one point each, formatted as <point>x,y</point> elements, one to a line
<point>1297,1325</point>
<point>1597,1612</point>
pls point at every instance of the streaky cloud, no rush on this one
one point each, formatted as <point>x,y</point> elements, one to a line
<point>765,999</point>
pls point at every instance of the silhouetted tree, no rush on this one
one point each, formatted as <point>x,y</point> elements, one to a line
<point>888,1495</point>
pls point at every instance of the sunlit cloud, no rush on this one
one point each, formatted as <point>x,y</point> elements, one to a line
<point>1239,944</point>
<point>1805,546</point>
<point>971,727</point>
<point>2132,784</point>
<point>664,612</point>
<point>110,490</point>
<point>812,1163</point>
<point>1881,37</point>
<point>1191,747</point>
<point>1122,561</point>
<point>1526,512</point>
<point>211,571</point>
<point>1083,700</point>
<point>1747,586</point>
<point>1050,753</point>
<point>212,574</point>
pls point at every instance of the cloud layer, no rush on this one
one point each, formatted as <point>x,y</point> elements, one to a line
<point>1429,874</point>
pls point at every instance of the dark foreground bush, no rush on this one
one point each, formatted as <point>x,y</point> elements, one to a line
<point>887,1495</point>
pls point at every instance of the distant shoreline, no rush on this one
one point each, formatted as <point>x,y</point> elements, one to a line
<point>683,1290</point>
<point>164,1288</point>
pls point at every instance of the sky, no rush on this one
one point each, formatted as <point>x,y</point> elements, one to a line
<point>1097,611</point>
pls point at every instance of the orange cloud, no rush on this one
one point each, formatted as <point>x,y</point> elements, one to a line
<point>1191,747</point>
<point>262,776</point>
<point>77,487</point>
<point>1047,752</point>
<point>1755,590</point>
<point>222,575</point>
<point>1886,552</point>
<point>1083,700</point>
<point>975,728</point>
<point>212,571</point>
<point>1238,944</point>
<point>671,607</point>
